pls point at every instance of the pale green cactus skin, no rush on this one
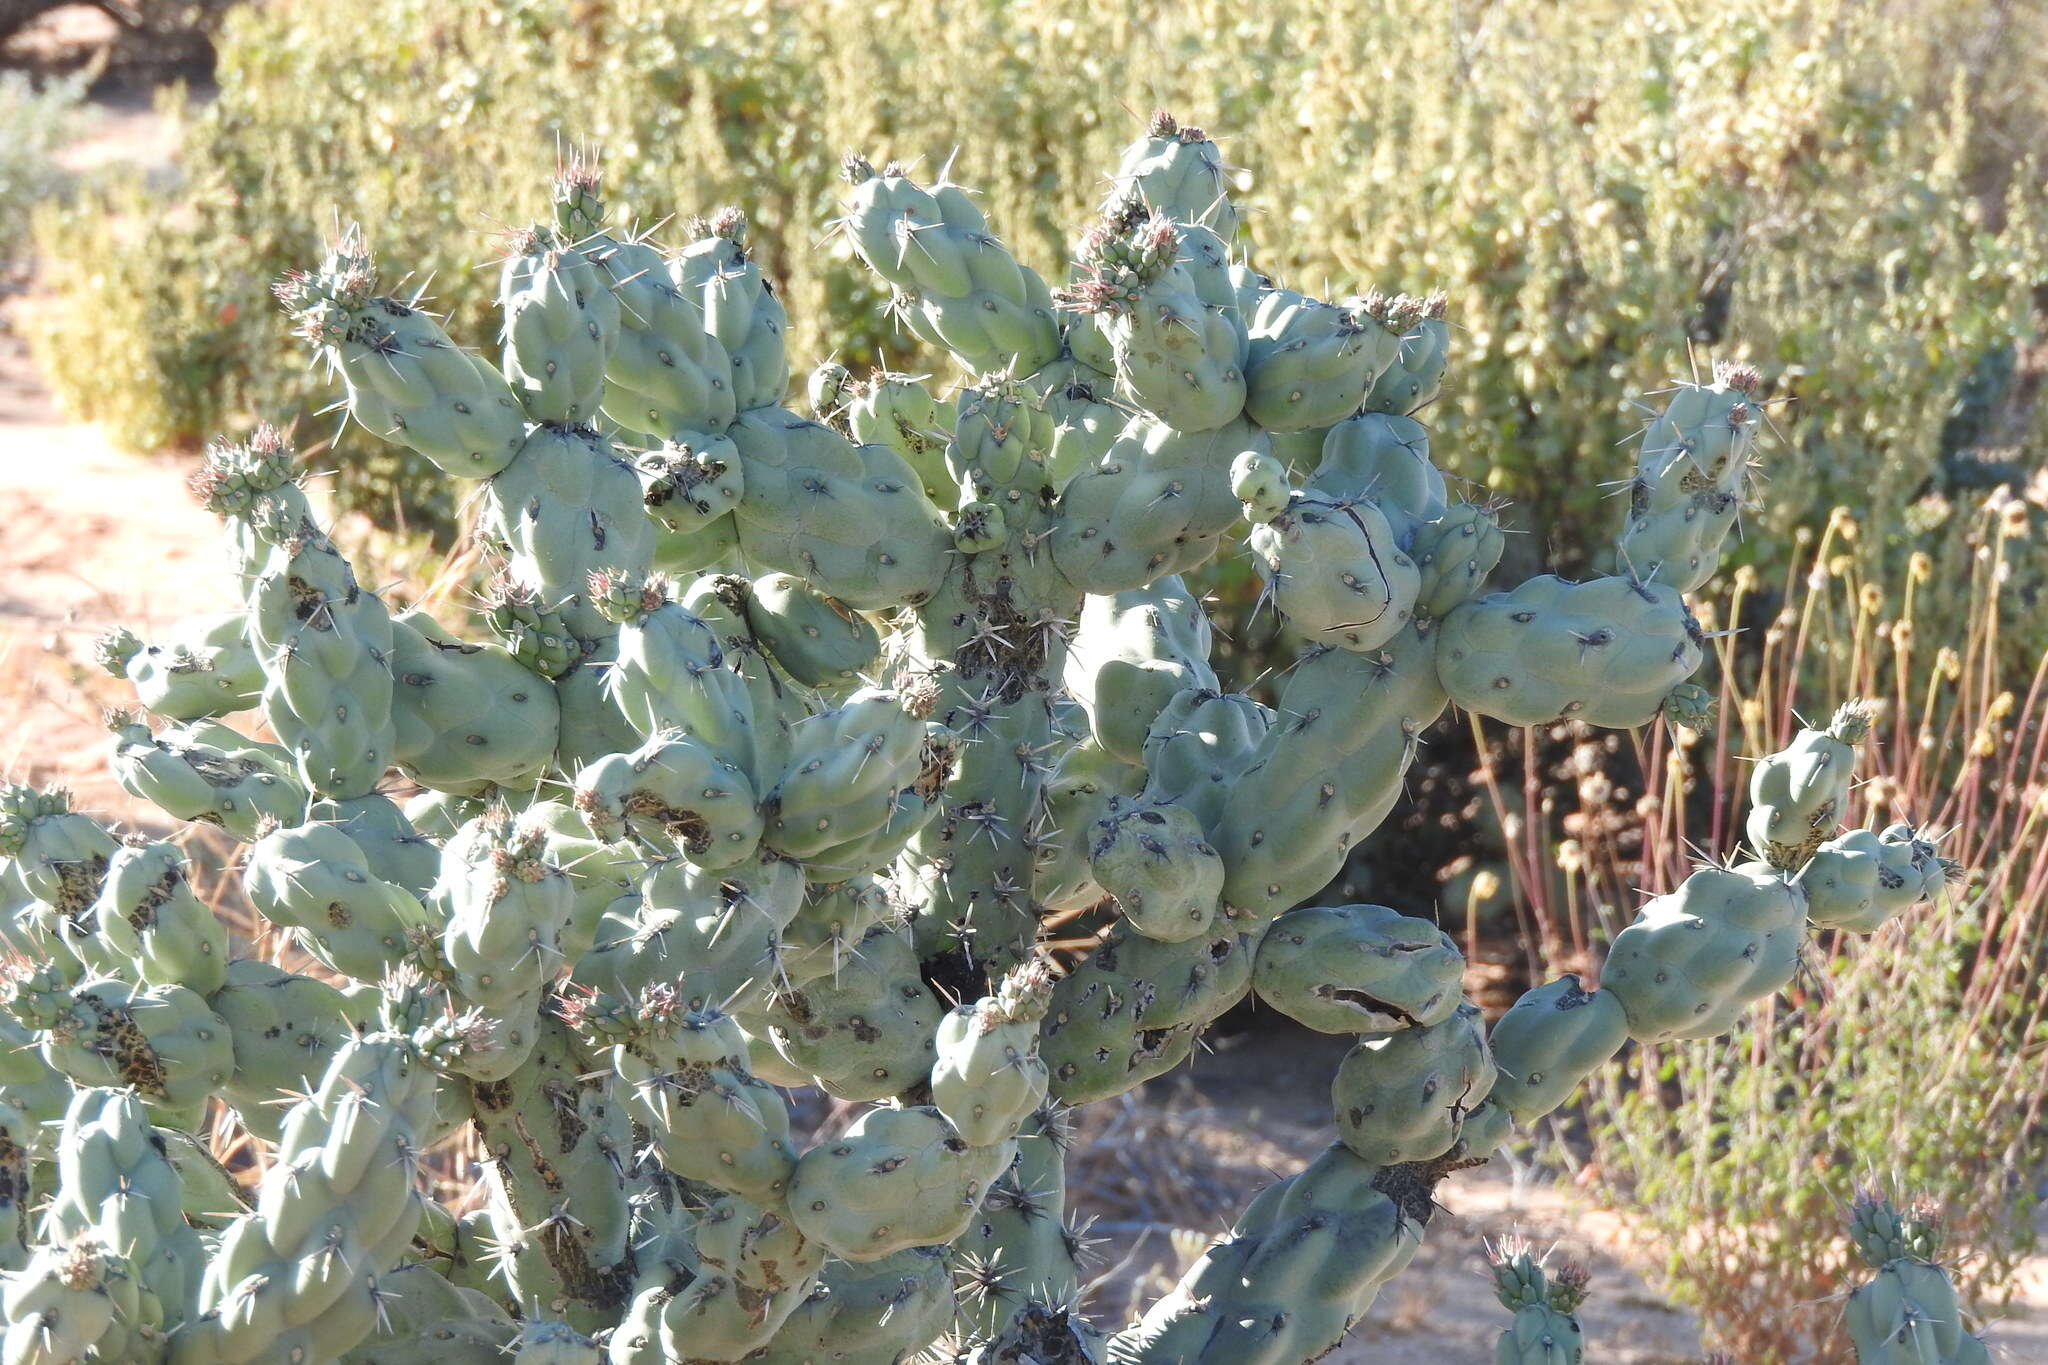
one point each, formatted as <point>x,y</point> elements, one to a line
<point>314,880</point>
<point>1797,796</point>
<point>1404,1097</point>
<point>325,646</point>
<point>1546,1329</point>
<point>16,1158</point>
<point>989,1077</point>
<point>1019,1250</point>
<point>1358,969</point>
<point>296,1277</point>
<point>287,1028</point>
<point>1606,652</point>
<point>1292,1273</point>
<point>117,1187</point>
<point>434,1322</point>
<point>1696,958</point>
<point>78,1301</point>
<point>767,755</point>
<point>151,926</point>
<point>206,772</point>
<point>1551,1039</point>
<point>1692,467</point>
<point>1862,880</point>
<point>1907,1313</point>
<point>1154,862</point>
<point>205,667</point>
<point>468,714</point>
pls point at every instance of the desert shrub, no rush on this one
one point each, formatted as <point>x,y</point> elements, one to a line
<point>35,119</point>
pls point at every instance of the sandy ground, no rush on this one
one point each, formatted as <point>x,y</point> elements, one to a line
<point>94,536</point>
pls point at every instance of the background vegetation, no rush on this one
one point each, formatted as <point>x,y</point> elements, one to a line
<point>35,119</point>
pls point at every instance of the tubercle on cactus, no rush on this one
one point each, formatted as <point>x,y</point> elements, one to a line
<point>769,730</point>
<point>1908,1310</point>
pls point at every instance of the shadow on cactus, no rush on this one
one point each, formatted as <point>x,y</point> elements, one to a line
<point>774,748</point>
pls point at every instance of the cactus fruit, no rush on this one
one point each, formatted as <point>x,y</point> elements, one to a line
<point>1177,170</point>
<point>561,326</point>
<point>1411,382</point>
<point>864,1032</point>
<point>988,1077</point>
<point>151,924</point>
<point>325,646</point>
<point>1386,458</point>
<point>1798,796</point>
<point>1692,470</point>
<point>899,1178</point>
<point>405,379</point>
<point>250,485</point>
<point>1334,573</point>
<point>778,743</point>
<point>314,880</point>
<point>741,1273</point>
<point>55,855</point>
<point>817,641</point>
<point>1907,1313</point>
<point>468,715</point>
<point>1328,768</point>
<point>741,310</point>
<point>1153,862</point>
<point>1173,353</point>
<point>1132,1010</point>
<point>868,1312</point>
<point>1195,751</point>
<point>1546,1328</point>
<point>686,1079</point>
<point>1311,363</point>
<point>286,1030</point>
<point>163,1041</point>
<point>955,285</point>
<point>208,773</point>
<point>897,411</point>
<point>1131,654</point>
<point>78,1300</point>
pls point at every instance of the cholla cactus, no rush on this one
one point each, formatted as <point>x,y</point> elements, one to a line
<point>775,743</point>
<point>1546,1327</point>
<point>1907,1313</point>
